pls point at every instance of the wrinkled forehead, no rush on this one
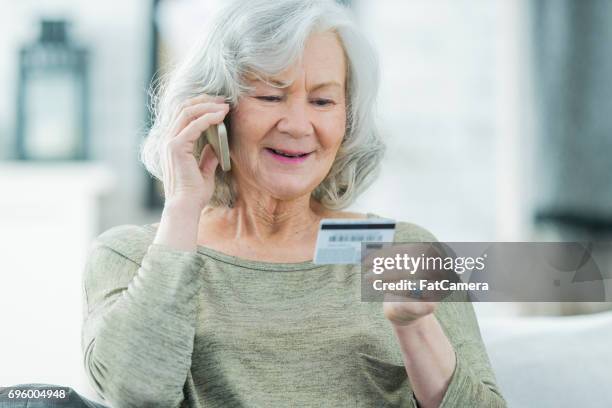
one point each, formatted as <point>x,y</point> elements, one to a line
<point>313,81</point>
<point>322,63</point>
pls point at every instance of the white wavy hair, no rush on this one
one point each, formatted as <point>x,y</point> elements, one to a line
<point>264,38</point>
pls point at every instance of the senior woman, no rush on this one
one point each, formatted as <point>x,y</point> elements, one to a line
<point>220,304</point>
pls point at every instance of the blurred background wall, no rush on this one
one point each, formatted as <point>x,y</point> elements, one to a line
<point>478,104</point>
<point>117,36</point>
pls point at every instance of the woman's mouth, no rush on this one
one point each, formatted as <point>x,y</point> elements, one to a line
<point>287,156</point>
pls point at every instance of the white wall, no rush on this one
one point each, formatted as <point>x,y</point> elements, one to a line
<point>437,105</point>
<point>116,33</point>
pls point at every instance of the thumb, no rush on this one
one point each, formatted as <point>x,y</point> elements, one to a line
<point>208,162</point>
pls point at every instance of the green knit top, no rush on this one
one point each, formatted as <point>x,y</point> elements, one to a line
<point>170,328</point>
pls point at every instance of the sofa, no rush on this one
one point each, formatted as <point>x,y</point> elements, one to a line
<point>551,362</point>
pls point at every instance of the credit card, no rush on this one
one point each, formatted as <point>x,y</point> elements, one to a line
<point>339,240</point>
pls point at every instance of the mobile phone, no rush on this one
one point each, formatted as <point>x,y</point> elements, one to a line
<point>216,136</point>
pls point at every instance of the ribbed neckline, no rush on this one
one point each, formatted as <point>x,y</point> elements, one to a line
<point>254,264</point>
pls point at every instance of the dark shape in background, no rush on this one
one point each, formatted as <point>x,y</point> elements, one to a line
<point>572,80</point>
<point>53,69</point>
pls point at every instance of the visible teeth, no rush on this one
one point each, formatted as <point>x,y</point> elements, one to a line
<point>285,154</point>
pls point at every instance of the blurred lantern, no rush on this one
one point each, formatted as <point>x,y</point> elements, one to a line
<point>52,98</point>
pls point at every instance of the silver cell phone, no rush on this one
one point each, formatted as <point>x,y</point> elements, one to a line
<point>216,136</point>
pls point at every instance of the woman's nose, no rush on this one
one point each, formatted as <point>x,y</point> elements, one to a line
<point>296,120</point>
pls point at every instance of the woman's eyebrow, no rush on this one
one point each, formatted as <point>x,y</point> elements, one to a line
<point>274,82</point>
<point>283,85</point>
<point>324,84</point>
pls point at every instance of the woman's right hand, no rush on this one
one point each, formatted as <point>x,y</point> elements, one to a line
<point>185,180</point>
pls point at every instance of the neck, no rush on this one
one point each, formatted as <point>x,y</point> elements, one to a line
<point>261,218</point>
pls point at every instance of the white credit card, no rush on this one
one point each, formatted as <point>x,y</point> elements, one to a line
<point>339,240</point>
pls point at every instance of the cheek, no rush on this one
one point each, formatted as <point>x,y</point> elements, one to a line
<point>335,131</point>
<point>243,131</point>
<point>251,121</point>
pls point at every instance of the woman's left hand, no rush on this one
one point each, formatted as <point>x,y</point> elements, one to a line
<point>404,307</point>
<point>404,311</point>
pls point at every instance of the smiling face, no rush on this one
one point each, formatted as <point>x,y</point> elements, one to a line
<point>284,141</point>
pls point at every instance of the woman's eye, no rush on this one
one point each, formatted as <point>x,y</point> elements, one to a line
<point>274,98</point>
<point>323,102</point>
<point>269,98</point>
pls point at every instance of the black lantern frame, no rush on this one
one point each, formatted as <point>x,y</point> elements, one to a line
<point>53,53</point>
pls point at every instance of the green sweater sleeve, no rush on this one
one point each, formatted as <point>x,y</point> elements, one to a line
<point>473,382</point>
<point>139,319</point>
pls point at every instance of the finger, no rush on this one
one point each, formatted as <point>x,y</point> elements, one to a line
<point>191,113</point>
<point>203,98</point>
<point>408,309</point>
<point>194,129</point>
<point>413,307</point>
<point>394,297</point>
<point>208,162</point>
